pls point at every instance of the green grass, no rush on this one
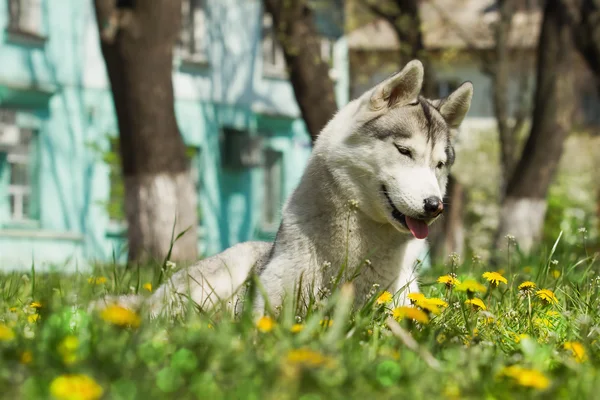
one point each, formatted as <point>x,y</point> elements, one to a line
<point>461,353</point>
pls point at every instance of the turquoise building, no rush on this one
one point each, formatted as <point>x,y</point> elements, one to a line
<point>60,189</point>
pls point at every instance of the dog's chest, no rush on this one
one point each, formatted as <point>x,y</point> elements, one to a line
<point>366,256</point>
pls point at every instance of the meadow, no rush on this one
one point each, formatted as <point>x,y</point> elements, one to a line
<point>527,327</point>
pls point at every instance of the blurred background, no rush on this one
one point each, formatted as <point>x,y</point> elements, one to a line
<point>127,124</point>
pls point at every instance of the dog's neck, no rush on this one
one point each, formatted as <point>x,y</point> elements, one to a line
<point>324,216</point>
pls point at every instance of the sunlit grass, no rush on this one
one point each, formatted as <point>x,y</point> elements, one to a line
<point>516,332</point>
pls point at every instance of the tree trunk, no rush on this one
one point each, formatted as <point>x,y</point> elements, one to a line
<point>585,23</point>
<point>524,207</point>
<point>451,237</point>
<point>309,74</point>
<point>500,89</point>
<point>404,17</point>
<point>159,194</point>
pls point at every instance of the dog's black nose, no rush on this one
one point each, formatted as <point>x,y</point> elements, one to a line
<point>433,206</point>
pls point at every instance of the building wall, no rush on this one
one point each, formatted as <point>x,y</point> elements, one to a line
<point>60,88</point>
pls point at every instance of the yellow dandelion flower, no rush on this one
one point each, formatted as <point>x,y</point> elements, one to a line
<point>13,309</point>
<point>526,377</point>
<point>120,316</point>
<point>410,313</point>
<point>543,322</point>
<point>577,350</point>
<point>147,286</point>
<point>436,302</point>
<point>384,298</point>
<point>431,305</point>
<point>494,278</point>
<point>26,357</point>
<point>326,322</point>
<point>296,328</point>
<point>97,280</point>
<point>75,387</point>
<point>33,318</point>
<point>452,392</point>
<point>471,286</point>
<point>547,296</point>
<point>36,304</point>
<point>527,286</point>
<point>6,333</point>
<point>519,336</point>
<point>477,304</point>
<point>414,297</point>
<point>68,349</point>
<point>265,324</point>
<point>555,273</point>
<point>308,358</point>
<point>449,280</point>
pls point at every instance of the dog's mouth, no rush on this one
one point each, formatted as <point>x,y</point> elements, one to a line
<point>418,227</point>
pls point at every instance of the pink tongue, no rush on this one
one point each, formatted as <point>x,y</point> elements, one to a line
<point>418,228</point>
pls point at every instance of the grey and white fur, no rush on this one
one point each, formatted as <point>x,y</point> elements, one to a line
<point>373,185</point>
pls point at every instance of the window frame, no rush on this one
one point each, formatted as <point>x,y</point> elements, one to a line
<point>272,197</point>
<point>25,24</point>
<point>193,30</point>
<point>21,197</point>
<point>273,66</point>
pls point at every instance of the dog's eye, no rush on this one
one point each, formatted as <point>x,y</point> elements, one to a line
<point>440,165</point>
<point>404,151</point>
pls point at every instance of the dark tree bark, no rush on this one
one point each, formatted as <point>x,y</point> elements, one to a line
<point>403,16</point>
<point>585,24</point>
<point>451,237</point>
<point>524,207</point>
<point>137,45</point>
<point>500,70</point>
<point>309,74</point>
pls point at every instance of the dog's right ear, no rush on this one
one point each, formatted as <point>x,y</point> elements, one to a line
<point>403,87</point>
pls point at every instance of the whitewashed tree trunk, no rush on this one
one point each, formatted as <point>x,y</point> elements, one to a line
<point>160,207</point>
<point>158,187</point>
<point>522,218</point>
<point>524,204</point>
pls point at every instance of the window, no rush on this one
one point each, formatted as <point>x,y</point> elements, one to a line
<point>25,16</point>
<point>239,149</point>
<point>272,53</point>
<point>273,190</point>
<point>16,144</point>
<point>447,86</point>
<point>192,40</point>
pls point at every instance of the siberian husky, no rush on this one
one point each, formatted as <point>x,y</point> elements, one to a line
<point>374,184</point>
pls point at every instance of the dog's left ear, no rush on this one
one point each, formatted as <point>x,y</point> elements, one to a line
<point>402,87</point>
<point>454,108</point>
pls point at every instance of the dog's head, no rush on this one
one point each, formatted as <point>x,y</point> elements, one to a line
<point>391,149</point>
